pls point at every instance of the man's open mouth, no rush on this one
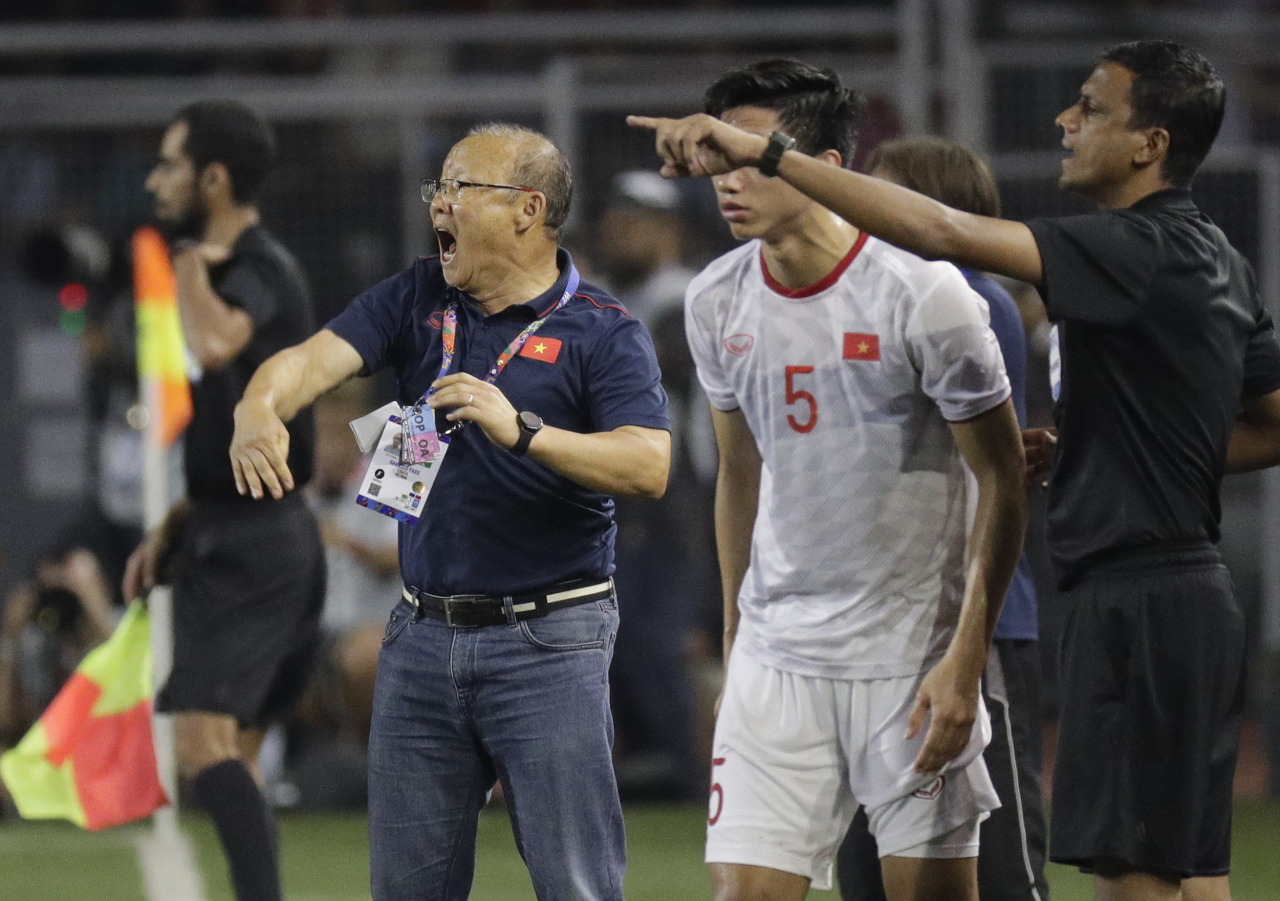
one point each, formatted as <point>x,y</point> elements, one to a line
<point>448,245</point>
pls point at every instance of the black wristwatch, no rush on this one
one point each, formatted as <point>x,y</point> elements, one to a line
<point>772,156</point>
<point>529,424</point>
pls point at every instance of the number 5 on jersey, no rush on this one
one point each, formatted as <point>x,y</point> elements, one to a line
<point>796,396</point>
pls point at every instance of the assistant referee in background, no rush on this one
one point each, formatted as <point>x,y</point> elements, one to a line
<point>248,578</point>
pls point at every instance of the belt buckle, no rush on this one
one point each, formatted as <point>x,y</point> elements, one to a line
<point>461,604</point>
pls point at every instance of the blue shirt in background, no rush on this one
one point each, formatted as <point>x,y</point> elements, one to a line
<point>1019,619</point>
<point>495,523</point>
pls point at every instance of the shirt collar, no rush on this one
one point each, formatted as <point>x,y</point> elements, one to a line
<point>1178,199</point>
<point>545,302</point>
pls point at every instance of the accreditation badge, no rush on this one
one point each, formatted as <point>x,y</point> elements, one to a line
<point>392,486</point>
<point>419,442</point>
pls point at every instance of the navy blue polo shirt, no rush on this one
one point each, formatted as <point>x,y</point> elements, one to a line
<point>1019,617</point>
<point>495,523</point>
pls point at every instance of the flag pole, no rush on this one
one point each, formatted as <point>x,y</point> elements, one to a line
<point>156,502</point>
<point>167,858</point>
<point>155,295</point>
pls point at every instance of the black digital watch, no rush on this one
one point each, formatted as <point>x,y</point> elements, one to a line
<point>529,424</point>
<point>772,156</point>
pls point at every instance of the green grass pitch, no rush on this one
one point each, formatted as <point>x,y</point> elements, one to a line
<point>325,859</point>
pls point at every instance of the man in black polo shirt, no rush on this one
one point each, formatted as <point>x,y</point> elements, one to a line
<point>1170,377</point>
<point>547,400</point>
<point>248,578</point>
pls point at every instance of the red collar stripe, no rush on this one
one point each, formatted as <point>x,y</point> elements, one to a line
<point>822,284</point>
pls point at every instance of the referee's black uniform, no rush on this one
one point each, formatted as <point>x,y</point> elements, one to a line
<point>1162,335</point>
<point>249,583</point>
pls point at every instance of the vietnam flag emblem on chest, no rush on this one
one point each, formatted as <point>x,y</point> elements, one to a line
<point>544,349</point>
<point>860,346</point>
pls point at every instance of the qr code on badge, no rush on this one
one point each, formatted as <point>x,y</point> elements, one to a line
<point>373,489</point>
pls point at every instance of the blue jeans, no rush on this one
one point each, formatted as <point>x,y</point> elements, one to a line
<point>453,710</point>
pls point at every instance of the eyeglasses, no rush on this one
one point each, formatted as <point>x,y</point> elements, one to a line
<point>450,187</point>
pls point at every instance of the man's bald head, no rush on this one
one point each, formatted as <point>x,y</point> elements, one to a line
<point>536,164</point>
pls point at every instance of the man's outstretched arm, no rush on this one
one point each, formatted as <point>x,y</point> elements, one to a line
<point>701,145</point>
<point>283,385</point>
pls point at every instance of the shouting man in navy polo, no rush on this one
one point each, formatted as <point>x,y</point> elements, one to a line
<point>547,399</point>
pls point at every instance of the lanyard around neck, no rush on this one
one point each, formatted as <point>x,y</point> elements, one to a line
<point>448,334</point>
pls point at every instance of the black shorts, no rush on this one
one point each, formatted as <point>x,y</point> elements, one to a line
<point>1152,683</point>
<point>247,597</point>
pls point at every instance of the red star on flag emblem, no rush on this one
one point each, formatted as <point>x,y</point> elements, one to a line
<point>544,349</point>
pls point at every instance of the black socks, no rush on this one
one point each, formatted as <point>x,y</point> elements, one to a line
<point>246,828</point>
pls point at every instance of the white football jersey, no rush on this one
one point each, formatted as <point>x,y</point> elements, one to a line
<point>857,556</point>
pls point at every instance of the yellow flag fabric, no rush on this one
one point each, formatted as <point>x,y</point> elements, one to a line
<point>90,759</point>
<point>162,371</point>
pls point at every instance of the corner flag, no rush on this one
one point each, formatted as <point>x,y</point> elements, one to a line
<point>90,757</point>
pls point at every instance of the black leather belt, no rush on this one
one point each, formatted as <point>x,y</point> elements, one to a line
<point>467,611</point>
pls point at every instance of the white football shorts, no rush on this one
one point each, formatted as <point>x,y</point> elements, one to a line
<point>794,756</point>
